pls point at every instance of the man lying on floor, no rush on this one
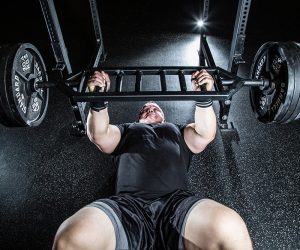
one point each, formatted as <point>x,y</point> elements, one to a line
<point>152,207</point>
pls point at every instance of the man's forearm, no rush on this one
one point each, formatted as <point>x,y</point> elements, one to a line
<point>97,123</point>
<point>205,122</point>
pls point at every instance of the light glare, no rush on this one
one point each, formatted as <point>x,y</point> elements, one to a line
<point>200,23</point>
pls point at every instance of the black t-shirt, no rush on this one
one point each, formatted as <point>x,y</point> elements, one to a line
<point>151,159</point>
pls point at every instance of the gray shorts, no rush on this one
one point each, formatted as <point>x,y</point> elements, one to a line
<point>141,223</point>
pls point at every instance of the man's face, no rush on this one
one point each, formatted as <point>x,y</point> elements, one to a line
<point>151,113</point>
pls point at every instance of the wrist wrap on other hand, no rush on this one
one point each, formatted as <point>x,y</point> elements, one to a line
<point>97,106</point>
<point>204,104</point>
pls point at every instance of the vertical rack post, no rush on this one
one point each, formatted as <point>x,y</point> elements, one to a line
<point>62,59</point>
<point>236,53</point>
<point>202,35</point>
<point>239,36</point>
<point>100,54</point>
<point>56,37</point>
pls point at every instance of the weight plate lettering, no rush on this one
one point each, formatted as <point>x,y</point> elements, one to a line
<point>278,64</point>
<point>22,103</point>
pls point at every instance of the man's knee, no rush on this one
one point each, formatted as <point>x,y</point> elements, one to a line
<point>69,236</point>
<point>90,228</point>
<point>213,224</point>
<point>227,224</point>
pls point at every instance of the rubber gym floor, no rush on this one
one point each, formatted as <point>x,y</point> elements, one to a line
<point>46,174</point>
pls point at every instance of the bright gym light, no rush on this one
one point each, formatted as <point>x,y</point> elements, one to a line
<point>200,23</point>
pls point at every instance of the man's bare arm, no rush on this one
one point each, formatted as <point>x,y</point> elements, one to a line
<point>199,134</point>
<point>104,135</point>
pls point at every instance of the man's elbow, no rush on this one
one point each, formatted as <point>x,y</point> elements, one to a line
<point>201,144</point>
<point>212,136</point>
<point>210,139</point>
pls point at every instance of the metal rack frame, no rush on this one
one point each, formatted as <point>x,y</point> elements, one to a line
<point>227,83</point>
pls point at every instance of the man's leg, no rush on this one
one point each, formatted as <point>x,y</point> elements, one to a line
<point>89,228</point>
<point>211,225</point>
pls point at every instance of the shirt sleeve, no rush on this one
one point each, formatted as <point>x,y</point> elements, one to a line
<point>122,127</point>
<point>181,128</point>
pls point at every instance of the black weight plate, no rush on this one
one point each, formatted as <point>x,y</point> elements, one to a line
<point>296,113</point>
<point>22,104</point>
<point>294,108</point>
<point>274,62</point>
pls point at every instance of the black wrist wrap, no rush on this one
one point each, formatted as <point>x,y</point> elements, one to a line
<point>204,104</point>
<point>97,106</point>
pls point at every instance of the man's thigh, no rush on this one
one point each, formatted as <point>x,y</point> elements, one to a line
<point>211,225</point>
<point>89,228</point>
